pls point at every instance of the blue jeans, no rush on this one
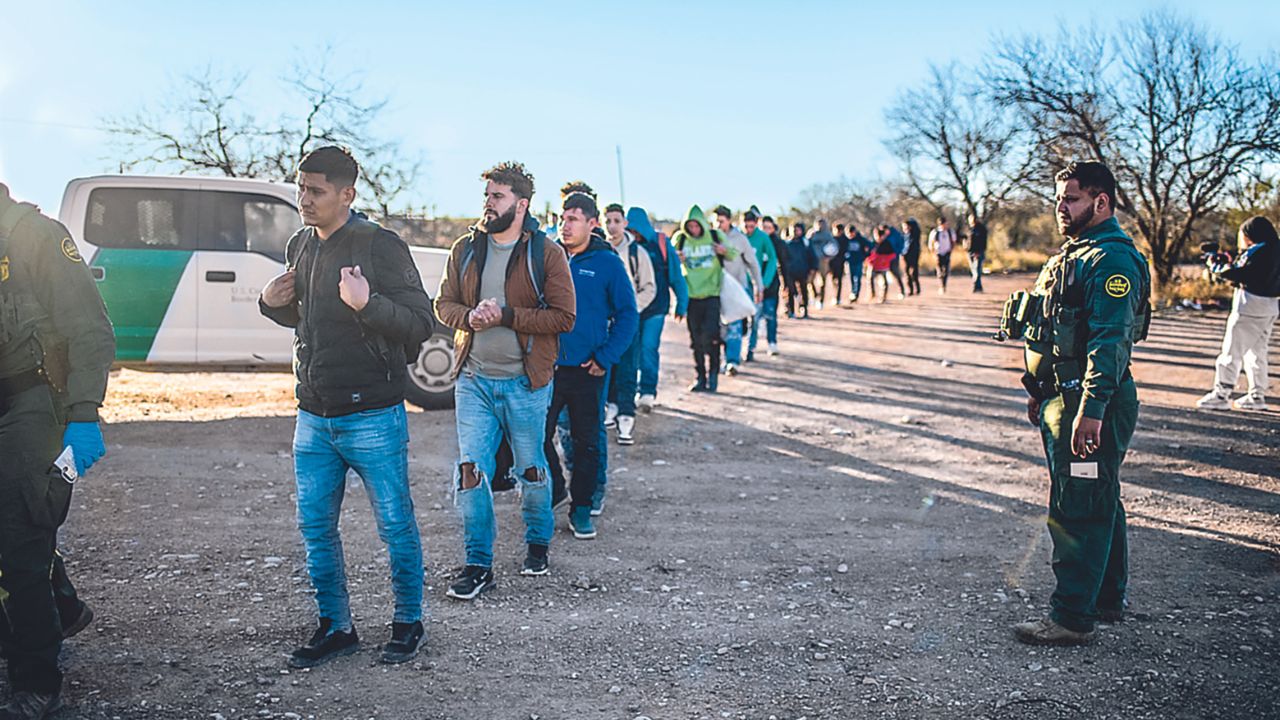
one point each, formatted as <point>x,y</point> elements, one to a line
<point>855,279</point>
<point>487,409</point>
<point>975,269</point>
<point>766,312</point>
<point>374,443</point>
<point>650,342</point>
<point>622,380</point>
<point>733,341</point>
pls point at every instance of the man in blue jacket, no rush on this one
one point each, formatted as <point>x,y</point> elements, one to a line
<point>605,326</point>
<point>669,279</point>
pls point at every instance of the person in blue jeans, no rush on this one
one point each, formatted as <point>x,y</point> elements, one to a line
<point>507,294</point>
<point>352,294</point>
<point>767,307</point>
<point>856,259</point>
<point>668,280</point>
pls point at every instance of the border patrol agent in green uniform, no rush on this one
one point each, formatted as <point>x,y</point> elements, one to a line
<point>1089,306</point>
<point>56,348</point>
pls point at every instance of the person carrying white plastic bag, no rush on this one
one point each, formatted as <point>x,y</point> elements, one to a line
<point>735,303</point>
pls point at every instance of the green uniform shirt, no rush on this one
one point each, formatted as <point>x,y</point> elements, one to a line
<point>51,314</point>
<point>1099,288</point>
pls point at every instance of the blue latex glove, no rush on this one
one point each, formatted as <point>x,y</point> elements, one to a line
<point>85,440</point>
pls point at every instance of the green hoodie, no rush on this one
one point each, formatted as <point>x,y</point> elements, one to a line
<point>703,271</point>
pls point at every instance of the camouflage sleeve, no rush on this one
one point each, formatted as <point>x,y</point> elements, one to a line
<point>1114,294</point>
<point>69,295</point>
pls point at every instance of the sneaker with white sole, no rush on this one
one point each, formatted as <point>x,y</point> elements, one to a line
<point>773,348</point>
<point>610,414</point>
<point>1215,400</point>
<point>580,523</point>
<point>626,426</point>
<point>646,403</point>
<point>1250,402</point>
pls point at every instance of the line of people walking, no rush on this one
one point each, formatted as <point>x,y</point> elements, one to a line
<point>820,259</point>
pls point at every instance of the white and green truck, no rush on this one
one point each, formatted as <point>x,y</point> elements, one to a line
<point>180,262</point>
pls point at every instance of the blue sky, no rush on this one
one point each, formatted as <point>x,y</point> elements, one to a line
<point>735,102</point>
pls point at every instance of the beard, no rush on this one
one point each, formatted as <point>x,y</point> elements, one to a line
<point>1077,224</point>
<point>499,223</point>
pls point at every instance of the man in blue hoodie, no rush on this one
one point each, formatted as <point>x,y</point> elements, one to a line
<point>668,280</point>
<point>605,326</point>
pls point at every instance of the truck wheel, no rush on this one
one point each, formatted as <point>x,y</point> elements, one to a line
<point>430,382</point>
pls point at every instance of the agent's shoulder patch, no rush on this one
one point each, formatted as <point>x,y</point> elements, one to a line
<point>70,250</point>
<point>1118,286</point>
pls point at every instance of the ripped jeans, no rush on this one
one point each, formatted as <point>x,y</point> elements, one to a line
<point>488,409</point>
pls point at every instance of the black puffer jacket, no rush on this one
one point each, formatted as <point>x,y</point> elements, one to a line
<point>346,361</point>
<point>1257,270</point>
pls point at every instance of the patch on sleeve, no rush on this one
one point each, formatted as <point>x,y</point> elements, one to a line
<point>1118,286</point>
<point>411,276</point>
<point>70,250</point>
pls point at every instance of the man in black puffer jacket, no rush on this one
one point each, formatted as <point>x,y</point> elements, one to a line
<point>354,297</point>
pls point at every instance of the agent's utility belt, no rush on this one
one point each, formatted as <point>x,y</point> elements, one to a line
<point>20,383</point>
<point>1067,378</point>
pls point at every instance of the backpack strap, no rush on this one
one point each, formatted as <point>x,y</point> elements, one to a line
<point>536,259</point>
<point>362,250</point>
<point>633,250</point>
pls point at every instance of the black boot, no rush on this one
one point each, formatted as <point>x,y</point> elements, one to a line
<point>700,364</point>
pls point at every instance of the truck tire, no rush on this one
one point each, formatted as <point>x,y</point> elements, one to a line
<point>429,384</point>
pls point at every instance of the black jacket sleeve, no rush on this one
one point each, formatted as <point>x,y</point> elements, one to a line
<point>399,308</point>
<point>1257,270</point>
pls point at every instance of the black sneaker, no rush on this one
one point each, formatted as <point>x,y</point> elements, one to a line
<point>325,646</point>
<point>79,622</point>
<point>699,386</point>
<point>535,561</point>
<point>27,705</point>
<point>473,581</point>
<point>406,639</point>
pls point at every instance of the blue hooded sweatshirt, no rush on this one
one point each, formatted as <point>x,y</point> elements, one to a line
<point>607,317</point>
<point>668,282</point>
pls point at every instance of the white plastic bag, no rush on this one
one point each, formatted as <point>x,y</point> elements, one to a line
<point>735,303</point>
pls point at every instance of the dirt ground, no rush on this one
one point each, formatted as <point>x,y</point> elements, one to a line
<point>845,531</point>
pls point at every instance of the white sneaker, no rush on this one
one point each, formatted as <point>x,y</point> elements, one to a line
<point>1250,402</point>
<point>817,304</point>
<point>773,348</point>
<point>1214,400</point>
<point>626,424</point>
<point>610,414</point>
<point>646,403</point>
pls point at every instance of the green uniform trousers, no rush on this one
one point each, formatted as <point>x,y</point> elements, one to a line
<point>1086,517</point>
<point>33,502</point>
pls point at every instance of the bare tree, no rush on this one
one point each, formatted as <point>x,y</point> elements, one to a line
<point>1177,115</point>
<point>202,126</point>
<point>957,147</point>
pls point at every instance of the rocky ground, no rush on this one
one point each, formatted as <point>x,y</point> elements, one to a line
<point>846,531</point>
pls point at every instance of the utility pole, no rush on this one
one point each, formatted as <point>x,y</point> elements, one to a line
<point>622,192</point>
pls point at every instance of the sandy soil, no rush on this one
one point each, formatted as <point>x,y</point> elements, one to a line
<point>846,531</point>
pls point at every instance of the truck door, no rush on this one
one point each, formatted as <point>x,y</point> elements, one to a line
<point>145,239</point>
<point>242,239</point>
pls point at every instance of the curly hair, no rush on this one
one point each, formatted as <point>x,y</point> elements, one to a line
<point>512,174</point>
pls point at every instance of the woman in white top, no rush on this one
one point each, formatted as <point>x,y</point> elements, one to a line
<point>942,239</point>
